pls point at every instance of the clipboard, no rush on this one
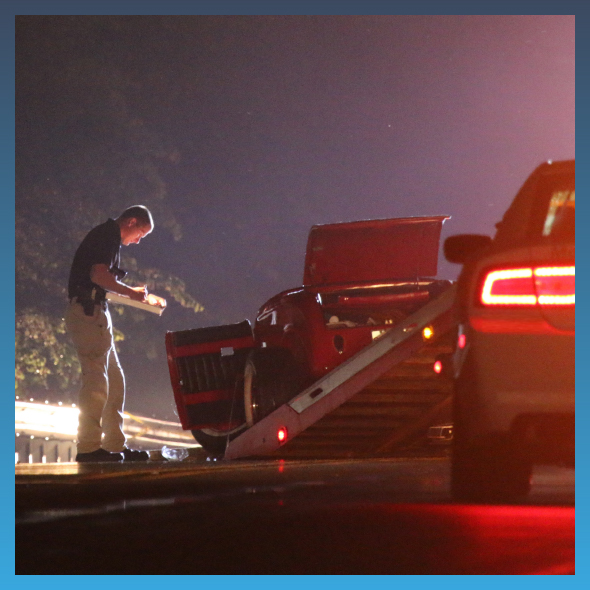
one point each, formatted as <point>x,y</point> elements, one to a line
<point>155,304</point>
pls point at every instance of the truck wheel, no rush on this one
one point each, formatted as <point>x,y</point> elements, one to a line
<point>215,441</point>
<point>490,469</point>
<point>271,379</point>
<point>491,472</point>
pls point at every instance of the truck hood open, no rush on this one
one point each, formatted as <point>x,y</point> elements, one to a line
<point>370,251</point>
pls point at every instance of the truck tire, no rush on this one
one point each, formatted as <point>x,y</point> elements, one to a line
<point>490,472</point>
<point>483,469</point>
<point>271,378</point>
<point>214,442</point>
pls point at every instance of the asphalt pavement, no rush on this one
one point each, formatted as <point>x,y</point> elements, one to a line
<point>370,516</point>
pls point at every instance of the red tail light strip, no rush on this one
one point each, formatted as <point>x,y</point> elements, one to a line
<point>556,285</point>
<point>548,285</point>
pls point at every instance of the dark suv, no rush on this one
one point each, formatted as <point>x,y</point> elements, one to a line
<point>514,361</point>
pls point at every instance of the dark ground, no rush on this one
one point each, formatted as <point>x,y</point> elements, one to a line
<point>388,516</point>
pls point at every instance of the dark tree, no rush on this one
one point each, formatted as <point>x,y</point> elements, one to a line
<point>84,152</point>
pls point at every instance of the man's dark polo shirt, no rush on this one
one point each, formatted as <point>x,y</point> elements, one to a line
<point>101,246</point>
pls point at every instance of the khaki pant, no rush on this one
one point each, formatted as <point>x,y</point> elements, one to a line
<point>102,395</point>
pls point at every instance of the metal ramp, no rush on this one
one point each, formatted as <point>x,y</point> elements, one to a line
<point>370,405</point>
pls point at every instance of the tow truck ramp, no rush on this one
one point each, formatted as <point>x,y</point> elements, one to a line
<point>371,404</point>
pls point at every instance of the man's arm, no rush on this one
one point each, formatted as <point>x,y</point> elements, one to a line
<point>100,275</point>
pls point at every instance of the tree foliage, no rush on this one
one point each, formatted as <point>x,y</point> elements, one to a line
<point>84,152</point>
<point>44,358</point>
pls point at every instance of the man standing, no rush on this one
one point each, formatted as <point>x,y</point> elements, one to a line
<point>95,271</point>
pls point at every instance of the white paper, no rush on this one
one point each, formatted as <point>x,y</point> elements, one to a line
<point>153,308</point>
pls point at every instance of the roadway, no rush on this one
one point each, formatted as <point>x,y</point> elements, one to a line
<point>370,516</point>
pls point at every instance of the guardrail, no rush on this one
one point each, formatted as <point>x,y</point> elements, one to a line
<point>46,433</point>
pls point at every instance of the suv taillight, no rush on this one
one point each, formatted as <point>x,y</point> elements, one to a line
<point>545,285</point>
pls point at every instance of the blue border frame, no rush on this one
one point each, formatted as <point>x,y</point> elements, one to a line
<point>10,8</point>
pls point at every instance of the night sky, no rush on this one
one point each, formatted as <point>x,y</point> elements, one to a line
<point>283,122</point>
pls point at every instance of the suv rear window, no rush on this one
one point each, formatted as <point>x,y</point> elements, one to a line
<point>543,210</point>
<point>560,220</point>
<point>554,211</point>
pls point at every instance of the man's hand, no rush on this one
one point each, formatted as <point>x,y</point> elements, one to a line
<point>100,275</point>
<point>139,294</point>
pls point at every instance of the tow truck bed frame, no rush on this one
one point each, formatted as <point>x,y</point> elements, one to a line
<point>370,404</point>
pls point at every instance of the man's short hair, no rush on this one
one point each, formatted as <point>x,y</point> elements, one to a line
<point>139,212</point>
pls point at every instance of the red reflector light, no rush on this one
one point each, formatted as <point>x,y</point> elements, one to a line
<point>461,341</point>
<point>438,367</point>
<point>282,434</point>
<point>550,285</point>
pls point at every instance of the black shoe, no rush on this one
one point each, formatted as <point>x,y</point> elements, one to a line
<point>99,456</point>
<point>132,455</point>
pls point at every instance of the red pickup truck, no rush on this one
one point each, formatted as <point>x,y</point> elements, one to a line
<point>360,278</point>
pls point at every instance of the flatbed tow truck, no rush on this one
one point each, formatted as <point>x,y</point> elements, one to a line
<point>340,368</point>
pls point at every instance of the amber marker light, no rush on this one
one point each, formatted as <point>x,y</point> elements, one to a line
<point>428,333</point>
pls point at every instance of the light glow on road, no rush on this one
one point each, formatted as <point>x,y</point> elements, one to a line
<point>46,418</point>
<point>61,421</point>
